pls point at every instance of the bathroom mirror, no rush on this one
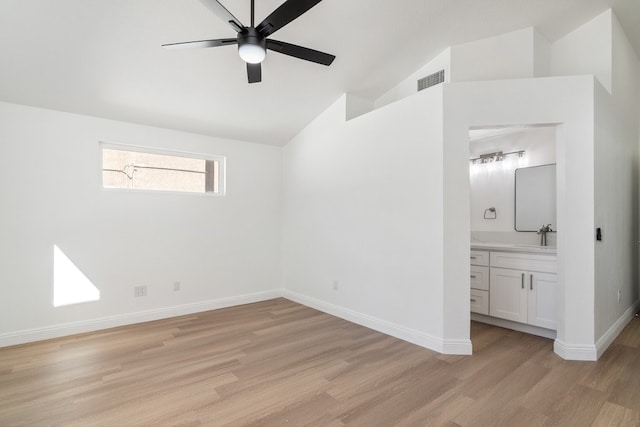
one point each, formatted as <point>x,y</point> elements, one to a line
<point>535,197</point>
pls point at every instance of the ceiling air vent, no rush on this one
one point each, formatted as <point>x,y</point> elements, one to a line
<point>431,80</point>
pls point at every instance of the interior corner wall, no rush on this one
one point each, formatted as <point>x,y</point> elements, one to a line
<point>616,195</point>
<point>362,219</point>
<point>356,106</point>
<point>568,101</point>
<point>586,50</point>
<point>541,55</point>
<point>507,56</point>
<point>223,249</point>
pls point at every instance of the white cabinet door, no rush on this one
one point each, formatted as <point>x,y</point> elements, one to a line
<point>542,289</point>
<point>508,294</point>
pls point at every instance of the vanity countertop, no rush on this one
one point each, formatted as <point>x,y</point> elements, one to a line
<point>514,247</point>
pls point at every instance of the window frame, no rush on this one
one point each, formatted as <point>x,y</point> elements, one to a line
<point>222,167</point>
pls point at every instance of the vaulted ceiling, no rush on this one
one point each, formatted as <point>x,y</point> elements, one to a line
<point>103,57</point>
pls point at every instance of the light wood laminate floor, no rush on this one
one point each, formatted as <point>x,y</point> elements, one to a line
<point>278,363</point>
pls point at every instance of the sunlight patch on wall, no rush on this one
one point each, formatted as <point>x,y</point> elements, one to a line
<point>70,285</point>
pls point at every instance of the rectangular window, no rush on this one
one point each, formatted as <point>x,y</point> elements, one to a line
<point>137,168</point>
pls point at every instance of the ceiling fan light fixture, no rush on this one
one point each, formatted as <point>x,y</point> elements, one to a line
<point>251,53</point>
<point>252,47</point>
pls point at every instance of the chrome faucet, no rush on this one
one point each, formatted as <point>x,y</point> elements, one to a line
<point>543,234</point>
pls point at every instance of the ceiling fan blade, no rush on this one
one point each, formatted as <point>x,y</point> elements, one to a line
<point>201,43</point>
<point>254,73</point>
<point>300,52</point>
<point>222,13</point>
<point>287,12</point>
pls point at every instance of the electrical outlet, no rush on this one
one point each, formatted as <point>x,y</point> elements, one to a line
<point>335,285</point>
<point>140,291</point>
<point>176,286</point>
<point>619,296</point>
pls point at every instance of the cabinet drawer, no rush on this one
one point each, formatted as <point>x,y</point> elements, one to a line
<point>479,277</point>
<point>479,257</point>
<point>529,262</point>
<point>479,302</point>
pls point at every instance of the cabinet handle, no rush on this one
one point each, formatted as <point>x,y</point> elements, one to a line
<point>473,257</point>
<point>522,280</point>
<point>473,300</point>
<point>531,282</point>
<point>473,277</point>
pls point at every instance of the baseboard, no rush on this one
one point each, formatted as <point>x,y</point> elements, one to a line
<point>575,351</point>
<point>462,347</point>
<point>64,329</point>
<point>612,333</point>
<point>398,331</point>
<point>593,352</point>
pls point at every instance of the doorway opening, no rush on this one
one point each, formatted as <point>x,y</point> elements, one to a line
<point>513,227</point>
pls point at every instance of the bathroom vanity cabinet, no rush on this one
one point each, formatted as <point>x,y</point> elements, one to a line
<point>514,285</point>
<point>480,282</point>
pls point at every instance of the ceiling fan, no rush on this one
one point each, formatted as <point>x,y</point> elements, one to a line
<point>253,42</point>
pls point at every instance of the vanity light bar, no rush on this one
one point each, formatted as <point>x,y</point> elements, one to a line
<point>498,156</point>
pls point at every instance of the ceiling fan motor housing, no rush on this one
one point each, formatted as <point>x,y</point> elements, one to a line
<point>251,39</point>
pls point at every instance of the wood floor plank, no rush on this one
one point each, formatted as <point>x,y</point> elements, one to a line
<point>630,336</point>
<point>612,415</point>
<point>578,407</point>
<point>311,411</point>
<point>278,363</point>
<point>542,396</point>
<point>626,390</point>
<point>439,411</point>
<point>610,369</point>
<point>483,413</point>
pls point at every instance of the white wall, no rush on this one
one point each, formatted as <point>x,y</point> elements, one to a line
<point>586,50</point>
<point>223,250</point>
<point>568,101</point>
<point>616,190</point>
<point>507,56</point>
<point>363,208</point>
<point>357,106</point>
<point>327,216</point>
<point>492,185</point>
<point>541,56</point>
<point>597,158</point>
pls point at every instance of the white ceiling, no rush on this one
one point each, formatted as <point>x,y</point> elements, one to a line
<point>103,57</point>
